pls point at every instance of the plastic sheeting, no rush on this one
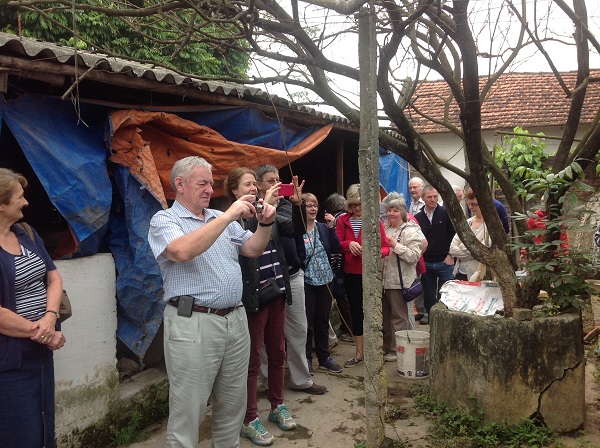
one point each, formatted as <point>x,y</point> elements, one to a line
<point>139,283</point>
<point>393,173</point>
<point>68,154</point>
<point>149,143</point>
<point>67,148</point>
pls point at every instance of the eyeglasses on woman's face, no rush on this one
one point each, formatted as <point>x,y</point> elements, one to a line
<point>315,206</point>
<point>355,205</point>
<point>473,204</point>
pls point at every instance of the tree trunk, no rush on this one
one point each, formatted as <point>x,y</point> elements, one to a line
<point>368,162</point>
<point>505,274</point>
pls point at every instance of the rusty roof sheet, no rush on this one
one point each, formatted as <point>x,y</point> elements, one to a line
<point>39,50</point>
<point>516,99</point>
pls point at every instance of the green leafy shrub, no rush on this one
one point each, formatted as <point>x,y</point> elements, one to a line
<point>126,435</point>
<point>519,151</point>
<point>552,265</point>
<point>456,428</point>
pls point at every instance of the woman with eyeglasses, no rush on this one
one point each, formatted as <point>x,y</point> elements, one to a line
<point>320,241</point>
<point>266,321</point>
<point>466,265</point>
<point>349,232</point>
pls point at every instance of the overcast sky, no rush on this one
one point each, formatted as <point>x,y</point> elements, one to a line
<point>345,51</point>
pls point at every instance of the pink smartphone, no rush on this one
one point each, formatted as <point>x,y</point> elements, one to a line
<point>286,190</point>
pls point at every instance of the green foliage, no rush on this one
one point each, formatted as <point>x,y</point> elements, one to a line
<point>521,151</point>
<point>145,38</point>
<point>126,435</point>
<point>455,428</point>
<point>597,368</point>
<point>550,263</point>
<point>393,413</point>
<point>550,309</point>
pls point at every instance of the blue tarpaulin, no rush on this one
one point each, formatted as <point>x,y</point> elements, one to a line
<point>251,127</point>
<point>393,173</point>
<point>69,157</point>
<point>66,148</point>
<point>139,274</point>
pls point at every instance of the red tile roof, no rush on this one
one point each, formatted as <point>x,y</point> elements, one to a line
<point>517,99</point>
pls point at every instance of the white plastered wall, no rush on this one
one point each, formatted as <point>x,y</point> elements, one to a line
<point>85,368</point>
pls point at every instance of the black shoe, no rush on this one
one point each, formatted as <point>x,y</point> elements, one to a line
<point>419,316</point>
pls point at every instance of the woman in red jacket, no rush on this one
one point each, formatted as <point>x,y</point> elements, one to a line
<point>349,232</point>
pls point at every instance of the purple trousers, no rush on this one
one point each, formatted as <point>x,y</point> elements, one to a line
<point>268,326</point>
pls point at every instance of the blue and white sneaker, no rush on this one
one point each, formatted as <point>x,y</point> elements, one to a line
<point>282,417</point>
<point>257,433</point>
<point>331,366</point>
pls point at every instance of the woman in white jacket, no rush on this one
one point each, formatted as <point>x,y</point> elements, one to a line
<point>466,265</point>
<point>405,239</point>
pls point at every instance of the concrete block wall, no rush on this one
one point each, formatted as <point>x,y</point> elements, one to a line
<point>87,381</point>
<point>513,369</point>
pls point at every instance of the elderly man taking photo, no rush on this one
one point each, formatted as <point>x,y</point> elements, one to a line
<point>206,339</point>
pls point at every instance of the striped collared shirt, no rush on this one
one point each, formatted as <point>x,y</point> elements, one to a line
<point>415,207</point>
<point>213,278</point>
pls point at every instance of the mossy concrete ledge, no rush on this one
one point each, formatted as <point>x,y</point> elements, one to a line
<point>146,396</point>
<point>513,369</point>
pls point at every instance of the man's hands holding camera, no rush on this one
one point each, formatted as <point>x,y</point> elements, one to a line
<point>248,206</point>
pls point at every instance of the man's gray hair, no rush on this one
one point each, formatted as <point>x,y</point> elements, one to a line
<point>183,167</point>
<point>264,169</point>
<point>426,189</point>
<point>335,203</point>
<point>419,179</point>
<point>457,188</point>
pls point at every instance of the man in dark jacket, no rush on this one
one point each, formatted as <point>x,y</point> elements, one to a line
<point>439,231</point>
<point>295,321</point>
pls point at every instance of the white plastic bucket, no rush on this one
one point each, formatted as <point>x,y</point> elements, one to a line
<point>412,350</point>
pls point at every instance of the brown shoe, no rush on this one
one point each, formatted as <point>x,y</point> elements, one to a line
<point>315,389</point>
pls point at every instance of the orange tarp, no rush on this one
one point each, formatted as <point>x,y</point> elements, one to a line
<point>149,143</point>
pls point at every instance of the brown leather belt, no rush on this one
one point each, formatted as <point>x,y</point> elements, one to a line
<point>205,309</point>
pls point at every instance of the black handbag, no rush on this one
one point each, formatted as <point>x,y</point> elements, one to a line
<point>268,293</point>
<point>270,290</point>
<point>339,288</point>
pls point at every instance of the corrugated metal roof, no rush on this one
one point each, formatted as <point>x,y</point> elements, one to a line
<point>38,50</point>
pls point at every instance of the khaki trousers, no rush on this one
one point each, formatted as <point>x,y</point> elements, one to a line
<point>206,354</point>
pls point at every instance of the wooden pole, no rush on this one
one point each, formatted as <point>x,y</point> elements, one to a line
<point>339,163</point>
<point>368,163</point>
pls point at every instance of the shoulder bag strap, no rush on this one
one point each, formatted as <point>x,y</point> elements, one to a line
<point>28,230</point>
<point>398,261</point>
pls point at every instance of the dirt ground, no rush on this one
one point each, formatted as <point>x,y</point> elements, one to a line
<point>336,419</point>
<point>333,420</point>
